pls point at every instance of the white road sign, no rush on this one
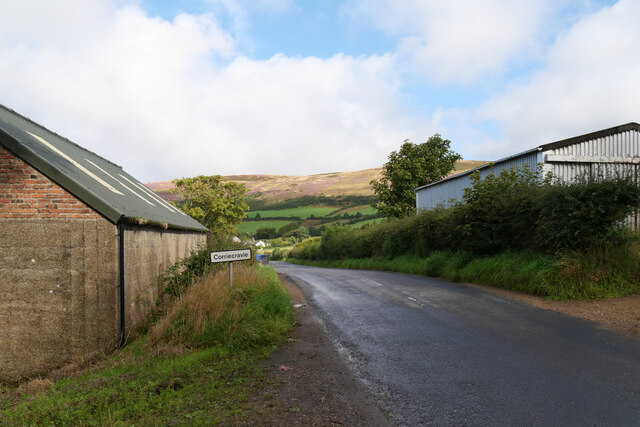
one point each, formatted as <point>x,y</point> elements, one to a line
<point>230,256</point>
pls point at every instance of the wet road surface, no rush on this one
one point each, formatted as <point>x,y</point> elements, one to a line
<point>441,353</point>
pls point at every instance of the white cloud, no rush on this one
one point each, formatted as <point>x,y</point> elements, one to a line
<point>176,98</point>
<point>461,41</point>
<point>589,82</point>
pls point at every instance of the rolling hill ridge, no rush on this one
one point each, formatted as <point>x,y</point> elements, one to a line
<point>270,189</point>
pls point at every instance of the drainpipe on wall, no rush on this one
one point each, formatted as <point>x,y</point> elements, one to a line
<point>123,338</point>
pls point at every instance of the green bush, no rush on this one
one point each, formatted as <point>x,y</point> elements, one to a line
<point>516,210</point>
<point>279,254</point>
<point>500,212</point>
<point>266,233</point>
<point>255,310</point>
<point>585,212</point>
<point>185,272</point>
<point>309,249</point>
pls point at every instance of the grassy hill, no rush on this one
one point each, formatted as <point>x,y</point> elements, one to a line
<point>311,201</point>
<point>276,188</point>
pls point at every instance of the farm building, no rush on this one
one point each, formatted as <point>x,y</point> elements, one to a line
<point>81,242</point>
<point>613,150</point>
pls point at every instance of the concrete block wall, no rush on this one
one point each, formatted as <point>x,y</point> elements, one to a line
<point>58,275</point>
<point>148,253</point>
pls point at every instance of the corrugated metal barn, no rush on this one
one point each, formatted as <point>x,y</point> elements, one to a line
<point>616,149</point>
<point>81,243</point>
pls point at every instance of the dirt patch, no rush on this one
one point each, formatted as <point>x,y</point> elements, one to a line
<point>618,314</point>
<point>307,383</point>
<point>296,293</point>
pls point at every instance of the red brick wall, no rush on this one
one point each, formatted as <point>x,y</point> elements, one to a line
<point>25,193</point>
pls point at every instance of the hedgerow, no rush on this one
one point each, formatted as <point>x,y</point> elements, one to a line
<point>516,210</point>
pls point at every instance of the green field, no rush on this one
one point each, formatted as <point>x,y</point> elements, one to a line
<point>250,227</point>
<point>361,223</point>
<point>363,209</point>
<point>303,212</point>
<point>368,211</point>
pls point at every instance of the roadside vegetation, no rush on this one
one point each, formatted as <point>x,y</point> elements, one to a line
<point>408,168</point>
<point>195,361</point>
<point>517,230</point>
<point>290,221</point>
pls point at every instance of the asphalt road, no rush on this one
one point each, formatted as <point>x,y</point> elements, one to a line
<point>441,353</point>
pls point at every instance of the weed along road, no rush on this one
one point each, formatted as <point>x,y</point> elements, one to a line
<point>442,353</point>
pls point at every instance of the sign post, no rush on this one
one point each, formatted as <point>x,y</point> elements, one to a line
<point>230,257</point>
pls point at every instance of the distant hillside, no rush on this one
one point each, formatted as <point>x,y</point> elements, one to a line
<point>274,188</point>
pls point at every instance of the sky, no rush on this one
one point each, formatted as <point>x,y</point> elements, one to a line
<point>171,89</point>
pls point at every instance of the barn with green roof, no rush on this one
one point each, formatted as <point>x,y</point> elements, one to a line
<point>81,243</point>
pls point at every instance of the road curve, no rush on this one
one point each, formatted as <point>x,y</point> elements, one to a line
<point>442,353</point>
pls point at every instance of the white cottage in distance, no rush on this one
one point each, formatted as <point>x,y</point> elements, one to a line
<point>616,149</point>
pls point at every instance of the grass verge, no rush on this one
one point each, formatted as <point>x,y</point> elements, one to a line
<point>594,274</point>
<point>179,374</point>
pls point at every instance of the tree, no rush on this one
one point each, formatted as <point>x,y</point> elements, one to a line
<point>212,201</point>
<point>414,165</point>
<point>287,228</point>
<point>266,233</point>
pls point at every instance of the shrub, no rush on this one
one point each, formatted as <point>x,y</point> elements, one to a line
<point>500,212</point>
<point>516,210</point>
<point>255,310</point>
<point>182,274</point>
<point>279,254</point>
<point>309,249</point>
<point>586,212</point>
<point>266,233</point>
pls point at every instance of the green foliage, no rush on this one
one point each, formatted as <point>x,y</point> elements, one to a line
<point>517,227</point>
<point>412,166</point>
<point>299,233</point>
<point>309,249</point>
<point>514,211</point>
<point>142,386</point>
<point>169,384</point>
<point>255,310</point>
<point>285,229</point>
<point>250,227</point>
<point>213,201</point>
<point>603,272</point>
<point>302,212</point>
<point>584,213</point>
<point>266,233</point>
<point>501,212</point>
<point>279,254</point>
<point>184,273</point>
<point>344,201</point>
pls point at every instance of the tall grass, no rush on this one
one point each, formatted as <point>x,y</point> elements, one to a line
<point>255,310</point>
<point>600,272</point>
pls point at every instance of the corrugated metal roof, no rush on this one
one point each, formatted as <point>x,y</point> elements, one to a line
<point>99,183</point>
<point>550,146</point>
<point>589,136</point>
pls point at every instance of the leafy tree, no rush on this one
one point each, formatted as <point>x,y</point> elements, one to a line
<point>266,233</point>
<point>212,201</point>
<point>412,166</point>
<point>299,233</point>
<point>287,228</point>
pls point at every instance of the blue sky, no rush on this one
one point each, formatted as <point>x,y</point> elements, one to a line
<point>179,88</point>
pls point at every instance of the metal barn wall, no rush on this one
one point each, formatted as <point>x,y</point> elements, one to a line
<point>626,144</point>
<point>443,192</point>
<point>617,154</point>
